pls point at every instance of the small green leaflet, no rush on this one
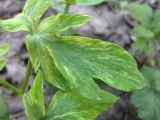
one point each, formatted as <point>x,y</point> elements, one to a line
<point>85,2</point>
<point>34,102</point>
<point>4,113</point>
<point>149,105</point>
<point>152,77</point>
<point>146,30</point>
<point>62,22</point>
<point>149,22</point>
<point>141,12</point>
<point>73,106</point>
<point>140,45</point>
<point>143,33</point>
<point>3,62</point>
<point>32,12</point>
<point>4,48</point>
<point>21,22</point>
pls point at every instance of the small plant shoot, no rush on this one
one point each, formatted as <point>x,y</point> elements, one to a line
<point>146,30</point>
<point>69,63</point>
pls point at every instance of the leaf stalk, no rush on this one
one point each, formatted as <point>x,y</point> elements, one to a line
<point>27,76</point>
<point>10,86</point>
<point>67,7</point>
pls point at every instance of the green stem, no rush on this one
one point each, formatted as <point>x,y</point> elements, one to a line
<point>26,79</point>
<point>67,6</point>
<point>10,86</point>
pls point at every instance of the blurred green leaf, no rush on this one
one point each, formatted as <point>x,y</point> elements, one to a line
<point>61,23</point>
<point>141,12</point>
<point>73,106</point>
<point>152,77</point>
<point>34,103</point>
<point>140,45</point>
<point>20,22</point>
<point>28,19</point>
<point>4,48</point>
<point>149,105</point>
<point>3,62</point>
<point>143,32</point>
<point>4,112</point>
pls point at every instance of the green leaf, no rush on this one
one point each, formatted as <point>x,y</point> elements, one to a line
<point>149,105</point>
<point>58,5</point>
<point>61,22</point>
<point>147,102</point>
<point>149,74</point>
<point>73,106</point>
<point>32,12</point>
<point>81,59</point>
<point>89,2</point>
<point>3,62</point>
<point>141,12</point>
<point>32,49</point>
<point>4,48</point>
<point>34,103</point>
<point>140,45</point>
<point>4,113</point>
<point>20,22</point>
<point>143,32</point>
<point>40,56</point>
<point>36,8</point>
<point>156,19</point>
<point>152,77</point>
